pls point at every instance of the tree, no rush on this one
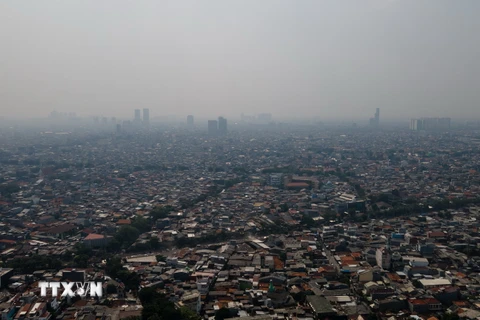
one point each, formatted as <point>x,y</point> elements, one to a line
<point>450,316</point>
<point>161,212</point>
<point>307,221</point>
<point>113,245</point>
<point>28,265</point>
<point>157,306</point>
<point>111,289</point>
<point>9,189</point>
<point>301,297</point>
<point>127,235</point>
<point>222,313</point>
<point>113,266</point>
<point>154,243</point>
<point>141,224</point>
<point>130,279</point>
<point>148,295</point>
<point>81,261</point>
<point>188,314</point>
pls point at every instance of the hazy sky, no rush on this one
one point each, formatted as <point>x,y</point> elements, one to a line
<point>330,59</point>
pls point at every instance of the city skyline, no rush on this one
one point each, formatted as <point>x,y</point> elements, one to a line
<point>324,59</point>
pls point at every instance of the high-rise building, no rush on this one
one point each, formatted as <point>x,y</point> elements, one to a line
<point>416,124</point>
<point>222,126</point>
<point>137,115</point>
<point>212,127</point>
<point>146,116</point>
<point>190,120</point>
<point>375,121</point>
<point>430,124</point>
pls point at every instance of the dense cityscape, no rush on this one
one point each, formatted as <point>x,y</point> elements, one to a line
<point>253,219</point>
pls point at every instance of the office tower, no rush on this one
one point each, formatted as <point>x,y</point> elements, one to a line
<point>430,124</point>
<point>375,121</point>
<point>212,127</point>
<point>222,126</point>
<point>146,116</point>
<point>444,123</point>
<point>137,115</point>
<point>415,124</point>
<point>190,121</point>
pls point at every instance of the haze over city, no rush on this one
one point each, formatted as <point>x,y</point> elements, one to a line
<point>302,59</point>
<point>239,160</point>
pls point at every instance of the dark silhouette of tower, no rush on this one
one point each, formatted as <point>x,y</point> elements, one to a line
<point>222,126</point>
<point>190,121</point>
<point>375,121</point>
<point>212,127</point>
<point>137,115</point>
<point>146,116</point>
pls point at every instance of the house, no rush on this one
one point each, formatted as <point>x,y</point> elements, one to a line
<point>365,275</point>
<point>320,306</point>
<point>95,240</point>
<point>435,283</point>
<point>424,305</point>
<point>61,231</point>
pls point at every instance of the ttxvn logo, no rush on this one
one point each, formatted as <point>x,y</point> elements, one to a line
<point>72,289</point>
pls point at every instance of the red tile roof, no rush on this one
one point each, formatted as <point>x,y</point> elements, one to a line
<point>94,236</point>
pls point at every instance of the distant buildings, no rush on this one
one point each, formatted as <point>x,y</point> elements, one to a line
<point>375,121</point>
<point>146,116</point>
<point>264,117</point>
<point>140,120</point>
<point>212,127</point>
<point>222,126</point>
<point>190,120</point>
<point>216,128</point>
<point>137,115</point>
<point>429,124</point>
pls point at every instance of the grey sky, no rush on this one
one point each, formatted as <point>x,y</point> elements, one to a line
<point>330,59</point>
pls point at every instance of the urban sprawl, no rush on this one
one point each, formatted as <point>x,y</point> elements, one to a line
<point>263,221</point>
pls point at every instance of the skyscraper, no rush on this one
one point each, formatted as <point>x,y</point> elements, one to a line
<point>212,127</point>
<point>190,121</point>
<point>222,126</point>
<point>146,116</point>
<point>375,122</point>
<point>430,124</point>
<point>137,115</point>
